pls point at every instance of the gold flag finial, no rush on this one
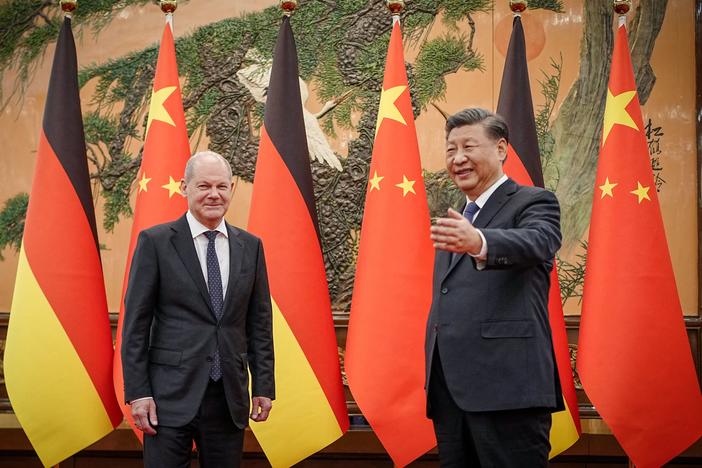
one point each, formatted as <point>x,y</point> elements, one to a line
<point>518,6</point>
<point>621,7</point>
<point>288,6</point>
<point>168,6</point>
<point>395,6</point>
<point>68,6</point>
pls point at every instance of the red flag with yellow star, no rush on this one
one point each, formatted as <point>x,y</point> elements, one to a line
<point>634,358</point>
<point>392,292</point>
<point>166,150</point>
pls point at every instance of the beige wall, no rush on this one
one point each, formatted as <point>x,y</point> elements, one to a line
<point>671,106</point>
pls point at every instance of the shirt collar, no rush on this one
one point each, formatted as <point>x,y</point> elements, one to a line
<point>197,228</point>
<point>483,198</point>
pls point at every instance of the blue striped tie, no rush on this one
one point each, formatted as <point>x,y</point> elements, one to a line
<point>214,285</point>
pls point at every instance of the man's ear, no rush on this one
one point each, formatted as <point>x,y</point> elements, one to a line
<point>183,186</point>
<point>502,149</point>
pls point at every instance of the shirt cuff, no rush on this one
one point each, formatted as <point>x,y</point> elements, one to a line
<point>480,257</point>
<point>142,398</point>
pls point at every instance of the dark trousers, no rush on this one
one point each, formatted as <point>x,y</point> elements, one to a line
<point>219,442</point>
<point>513,438</point>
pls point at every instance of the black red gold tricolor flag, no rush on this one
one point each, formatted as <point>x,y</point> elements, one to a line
<point>158,199</point>
<point>59,347</point>
<point>310,410</point>
<point>392,292</point>
<point>523,164</point>
<point>634,358</point>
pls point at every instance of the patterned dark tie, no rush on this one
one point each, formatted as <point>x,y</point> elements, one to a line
<point>214,285</point>
<point>470,210</point>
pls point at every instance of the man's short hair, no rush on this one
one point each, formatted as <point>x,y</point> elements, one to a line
<point>495,126</point>
<point>190,165</point>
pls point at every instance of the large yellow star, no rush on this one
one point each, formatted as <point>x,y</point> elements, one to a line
<point>406,186</point>
<point>156,109</point>
<point>375,181</point>
<point>173,187</point>
<point>641,192</point>
<point>143,182</point>
<point>387,108</point>
<point>615,112</point>
<point>607,188</point>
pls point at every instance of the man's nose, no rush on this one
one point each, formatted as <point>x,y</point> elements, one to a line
<point>459,157</point>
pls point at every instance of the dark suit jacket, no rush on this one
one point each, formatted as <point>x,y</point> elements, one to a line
<point>491,326</point>
<point>170,331</point>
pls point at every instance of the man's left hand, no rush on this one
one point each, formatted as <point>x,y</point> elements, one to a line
<point>456,234</point>
<point>260,408</point>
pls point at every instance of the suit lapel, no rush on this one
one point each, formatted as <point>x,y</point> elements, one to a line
<point>236,258</point>
<point>495,203</point>
<point>486,214</point>
<point>185,247</point>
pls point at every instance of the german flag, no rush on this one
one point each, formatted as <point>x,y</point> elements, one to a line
<point>523,164</point>
<point>59,347</point>
<point>310,410</point>
<point>392,292</point>
<point>158,199</point>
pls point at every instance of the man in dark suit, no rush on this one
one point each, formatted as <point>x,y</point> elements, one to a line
<point>197,319</point>
<point>491,377</point>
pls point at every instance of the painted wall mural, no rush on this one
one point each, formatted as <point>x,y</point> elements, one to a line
<point>455,53</point>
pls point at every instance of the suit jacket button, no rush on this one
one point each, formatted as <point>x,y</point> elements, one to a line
<point>444,290</point>
<point>209,359</point>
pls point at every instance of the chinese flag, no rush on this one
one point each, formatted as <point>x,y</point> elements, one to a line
<point>166,150</point>
<point>310,408</point>
<point>392,292</point>
<point>59,345</point>
<point>634,358</point>
<point>523,165</point>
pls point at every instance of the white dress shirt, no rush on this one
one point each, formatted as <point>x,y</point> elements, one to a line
<point>200,240</point>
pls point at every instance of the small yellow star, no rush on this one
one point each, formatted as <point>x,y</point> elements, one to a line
<point>615,112</point>
<point>143,182</point>
<point>607,188</point>
<point>173,187</point>
<point>406,186</point>
<point>375,181</point>
<point>641,192</point>
<point>156,109</point>
<point>387,108</point>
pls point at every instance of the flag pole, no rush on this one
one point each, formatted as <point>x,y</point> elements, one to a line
<point>68,6</point>
<point>168,7</point>
<point>396,7</point>
<point>621,8</point>
<point>288,7</point>
<point>518,6</point>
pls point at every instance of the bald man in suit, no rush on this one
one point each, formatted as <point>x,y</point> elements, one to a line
<point>197,320</point>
